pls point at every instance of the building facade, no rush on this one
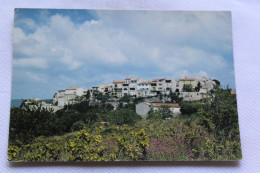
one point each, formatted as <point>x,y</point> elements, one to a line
<point>143,108</point>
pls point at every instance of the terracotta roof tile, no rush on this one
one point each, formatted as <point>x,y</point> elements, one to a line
<point>72,88</point>
<point>233,92</point>
<point>163,104</point>
<point>118,81</point>
<point>156,80</point>
<point>187,79</point>
<point>146,82</point>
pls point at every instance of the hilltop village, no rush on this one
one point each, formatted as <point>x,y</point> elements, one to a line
<point>151,95</point>
<point>154,93</point>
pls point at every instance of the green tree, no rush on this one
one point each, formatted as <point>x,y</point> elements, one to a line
<point>217,83</point>
<point>30,121</point>
<point>220,116</point>
<point>187,88</point>
<point>165,112</point>
<point>102,97</point>
<point>123,116</point>
<point>197,88</point>
<point>174,97</point>
<point>79,125</point>
<point>189,108</point>
<point>154,115</point>
<point>125,98</point>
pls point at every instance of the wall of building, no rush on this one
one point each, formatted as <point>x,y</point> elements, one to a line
<point>142,109</point>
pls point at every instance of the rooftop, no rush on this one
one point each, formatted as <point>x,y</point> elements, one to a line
<point>72,88</point>
<point>146,82</point>
<point>156,80</point>
<point>163,104</point>
<point>118,81</point>
<point>187,79</point>
<point>233,92</point>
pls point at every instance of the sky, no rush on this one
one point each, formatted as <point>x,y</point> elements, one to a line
<point>55,49</point>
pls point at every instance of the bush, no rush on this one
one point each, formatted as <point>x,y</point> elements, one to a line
<point>79,125</point>
<point>165,112</point>
<point>187,88</point>
<point>123,116</point>
<point>189,108</point>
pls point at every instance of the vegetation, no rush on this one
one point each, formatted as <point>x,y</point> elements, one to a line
<point>187,88</point>
<point>206,130</point>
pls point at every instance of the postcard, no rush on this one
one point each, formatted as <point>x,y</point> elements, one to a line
<point>117,85</point>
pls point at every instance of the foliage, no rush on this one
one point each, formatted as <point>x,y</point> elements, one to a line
<point>146,140</point>
<point>102,97</point>
<point>123,116</point>
<point>31,121</point>
<point>126,98</point>
<point>165,112</point>
<point>80,107</point>
<point>79,125</point>
<point>189,108</point>
<point>217,83</point>
<point>154,115</point>
<point>87,146</point>
<point>187,88</point>
<point>221,115</point>
<point>211,133</point>
<point>197,88</point>
<point>175,97</point>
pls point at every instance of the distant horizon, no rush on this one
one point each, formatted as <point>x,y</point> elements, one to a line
<point>57,48</point>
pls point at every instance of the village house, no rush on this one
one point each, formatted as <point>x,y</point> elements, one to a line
<point>200,89</point>
<point>188,81</point>
<point>117,88</point>
<point>143,108</point>
<point>65,97</point>
<point>144,89</point>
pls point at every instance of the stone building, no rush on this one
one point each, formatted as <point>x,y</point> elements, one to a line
<point>143,108</point>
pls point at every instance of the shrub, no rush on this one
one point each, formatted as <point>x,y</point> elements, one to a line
<point>79,125</point>
<point>123,116</point>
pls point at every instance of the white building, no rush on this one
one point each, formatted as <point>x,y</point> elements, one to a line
<point>143,108</point>
<point>144,89</point>
<point>67,96</point>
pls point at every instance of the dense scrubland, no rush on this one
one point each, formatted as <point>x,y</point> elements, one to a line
<point>206,130</point>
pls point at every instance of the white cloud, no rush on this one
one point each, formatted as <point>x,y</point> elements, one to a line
<point>18,35</point>
<point>31,62</point>
<point>27,23</point>
<point>168,41</point>
<point>36,77</point>
<point>202,74</point>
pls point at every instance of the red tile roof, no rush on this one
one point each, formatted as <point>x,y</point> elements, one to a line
<point>72,88</point>
<point>146,82</point>
<point>156,80</point>
<point>163,104</point>
<point>187,79</point>
<point>118,81</point>
<point>233,92</point>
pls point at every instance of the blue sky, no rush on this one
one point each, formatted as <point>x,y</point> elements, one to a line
<point>56,49</point>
